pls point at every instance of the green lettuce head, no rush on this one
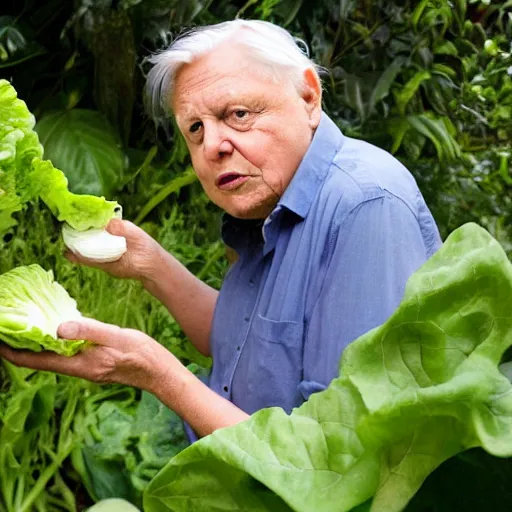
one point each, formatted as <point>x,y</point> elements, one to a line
<point>32,306</point>
<point>24,176</point>
<point>19,144</point>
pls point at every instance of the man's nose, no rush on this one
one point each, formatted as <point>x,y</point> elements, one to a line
<point>216,143</point>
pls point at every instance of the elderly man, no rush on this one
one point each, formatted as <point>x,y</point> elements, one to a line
<point>327,230</point>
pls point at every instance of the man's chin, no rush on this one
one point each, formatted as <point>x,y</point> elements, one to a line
<point>250,212</point>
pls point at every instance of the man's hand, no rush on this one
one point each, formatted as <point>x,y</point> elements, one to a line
<point>190,301</point>
<point>115,355</point>
<point>140,261</point>
<point>127,356</point>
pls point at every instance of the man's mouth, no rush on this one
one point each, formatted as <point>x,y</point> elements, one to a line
<point>230,180</point>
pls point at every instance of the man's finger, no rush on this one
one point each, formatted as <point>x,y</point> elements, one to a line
<point>81,260</point>
<point>91,330</point>
<point>45,361</point>
<point>119,227</point>
<point>70,255</point>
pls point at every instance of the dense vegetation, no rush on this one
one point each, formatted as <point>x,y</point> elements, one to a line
<point>430,81</point>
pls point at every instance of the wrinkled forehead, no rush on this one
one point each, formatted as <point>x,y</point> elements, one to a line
<point>224,72</point>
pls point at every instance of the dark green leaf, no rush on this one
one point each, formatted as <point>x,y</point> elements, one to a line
<point>85,148</point>
<point>404,96</point>
<point>386,80</point>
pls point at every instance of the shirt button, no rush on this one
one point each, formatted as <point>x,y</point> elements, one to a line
<point>238,348</point>
<point>246,319</point>
<point>251,283</point>
<point>225,389</point>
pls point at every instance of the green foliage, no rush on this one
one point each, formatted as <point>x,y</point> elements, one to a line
<point>111,300</point>
<point>429,81</point>
<point>33,445</point>
<point>128,439</point>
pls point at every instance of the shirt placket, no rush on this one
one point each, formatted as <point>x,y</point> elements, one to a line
<point>254,288</point>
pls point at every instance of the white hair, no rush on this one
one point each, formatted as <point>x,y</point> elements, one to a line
<point>269,44</point>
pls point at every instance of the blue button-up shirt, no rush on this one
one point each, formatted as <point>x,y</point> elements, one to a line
<point>328,264</point>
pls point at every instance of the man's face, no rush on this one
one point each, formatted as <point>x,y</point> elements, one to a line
<point>246,134</point>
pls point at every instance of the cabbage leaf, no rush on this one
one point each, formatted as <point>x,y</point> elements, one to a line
<point>81,212</point>
<point>411,394</point>
<point>18,146</point>
<point>25,177</point>
<point>32,306</point>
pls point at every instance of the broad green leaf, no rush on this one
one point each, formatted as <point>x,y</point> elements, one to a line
<point>405,95</point>
<point>398,128</point>
<point>160,430</point>
<point>411,393</point>
<point>14,418</point>
<point>437,131</point>
<point>385,81</point>
<point>85,147</point>
<point>107,480</point>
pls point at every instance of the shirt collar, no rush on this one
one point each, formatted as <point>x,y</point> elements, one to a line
<point>313,169</point>
<point>298,196</point>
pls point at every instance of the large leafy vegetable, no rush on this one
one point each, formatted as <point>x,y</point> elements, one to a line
<point>19,144</point>
<point>24,176</point>
<point>411,393</point>
<point>32,305</point>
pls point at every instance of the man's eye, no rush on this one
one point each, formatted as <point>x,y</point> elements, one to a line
<point>241,114</point>
<point>195,127</point>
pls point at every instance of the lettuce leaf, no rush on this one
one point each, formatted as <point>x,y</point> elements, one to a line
<point>411,393</point>
<point>18,145</point>
<point>24,176</point>
<point>81,212</point>
<point>32,306</point>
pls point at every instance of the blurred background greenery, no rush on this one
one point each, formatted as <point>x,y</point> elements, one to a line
<point>429,81</point>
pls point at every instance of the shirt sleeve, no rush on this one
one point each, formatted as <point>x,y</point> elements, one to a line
<point>377,247</point>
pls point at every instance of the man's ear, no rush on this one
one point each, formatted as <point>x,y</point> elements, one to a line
<point>312,95</point>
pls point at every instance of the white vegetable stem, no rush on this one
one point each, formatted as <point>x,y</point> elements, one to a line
<point>94,244</point>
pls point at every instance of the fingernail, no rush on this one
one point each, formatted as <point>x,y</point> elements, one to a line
<point>68,330</point>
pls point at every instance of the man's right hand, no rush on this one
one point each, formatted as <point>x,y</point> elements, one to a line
<point>141,259</point>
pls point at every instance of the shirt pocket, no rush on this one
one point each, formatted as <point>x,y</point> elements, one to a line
<point>281,332</point>
<point>276,367</point>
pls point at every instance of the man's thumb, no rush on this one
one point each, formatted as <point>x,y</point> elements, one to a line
<point>68,330</point>
<point>117,227</point>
